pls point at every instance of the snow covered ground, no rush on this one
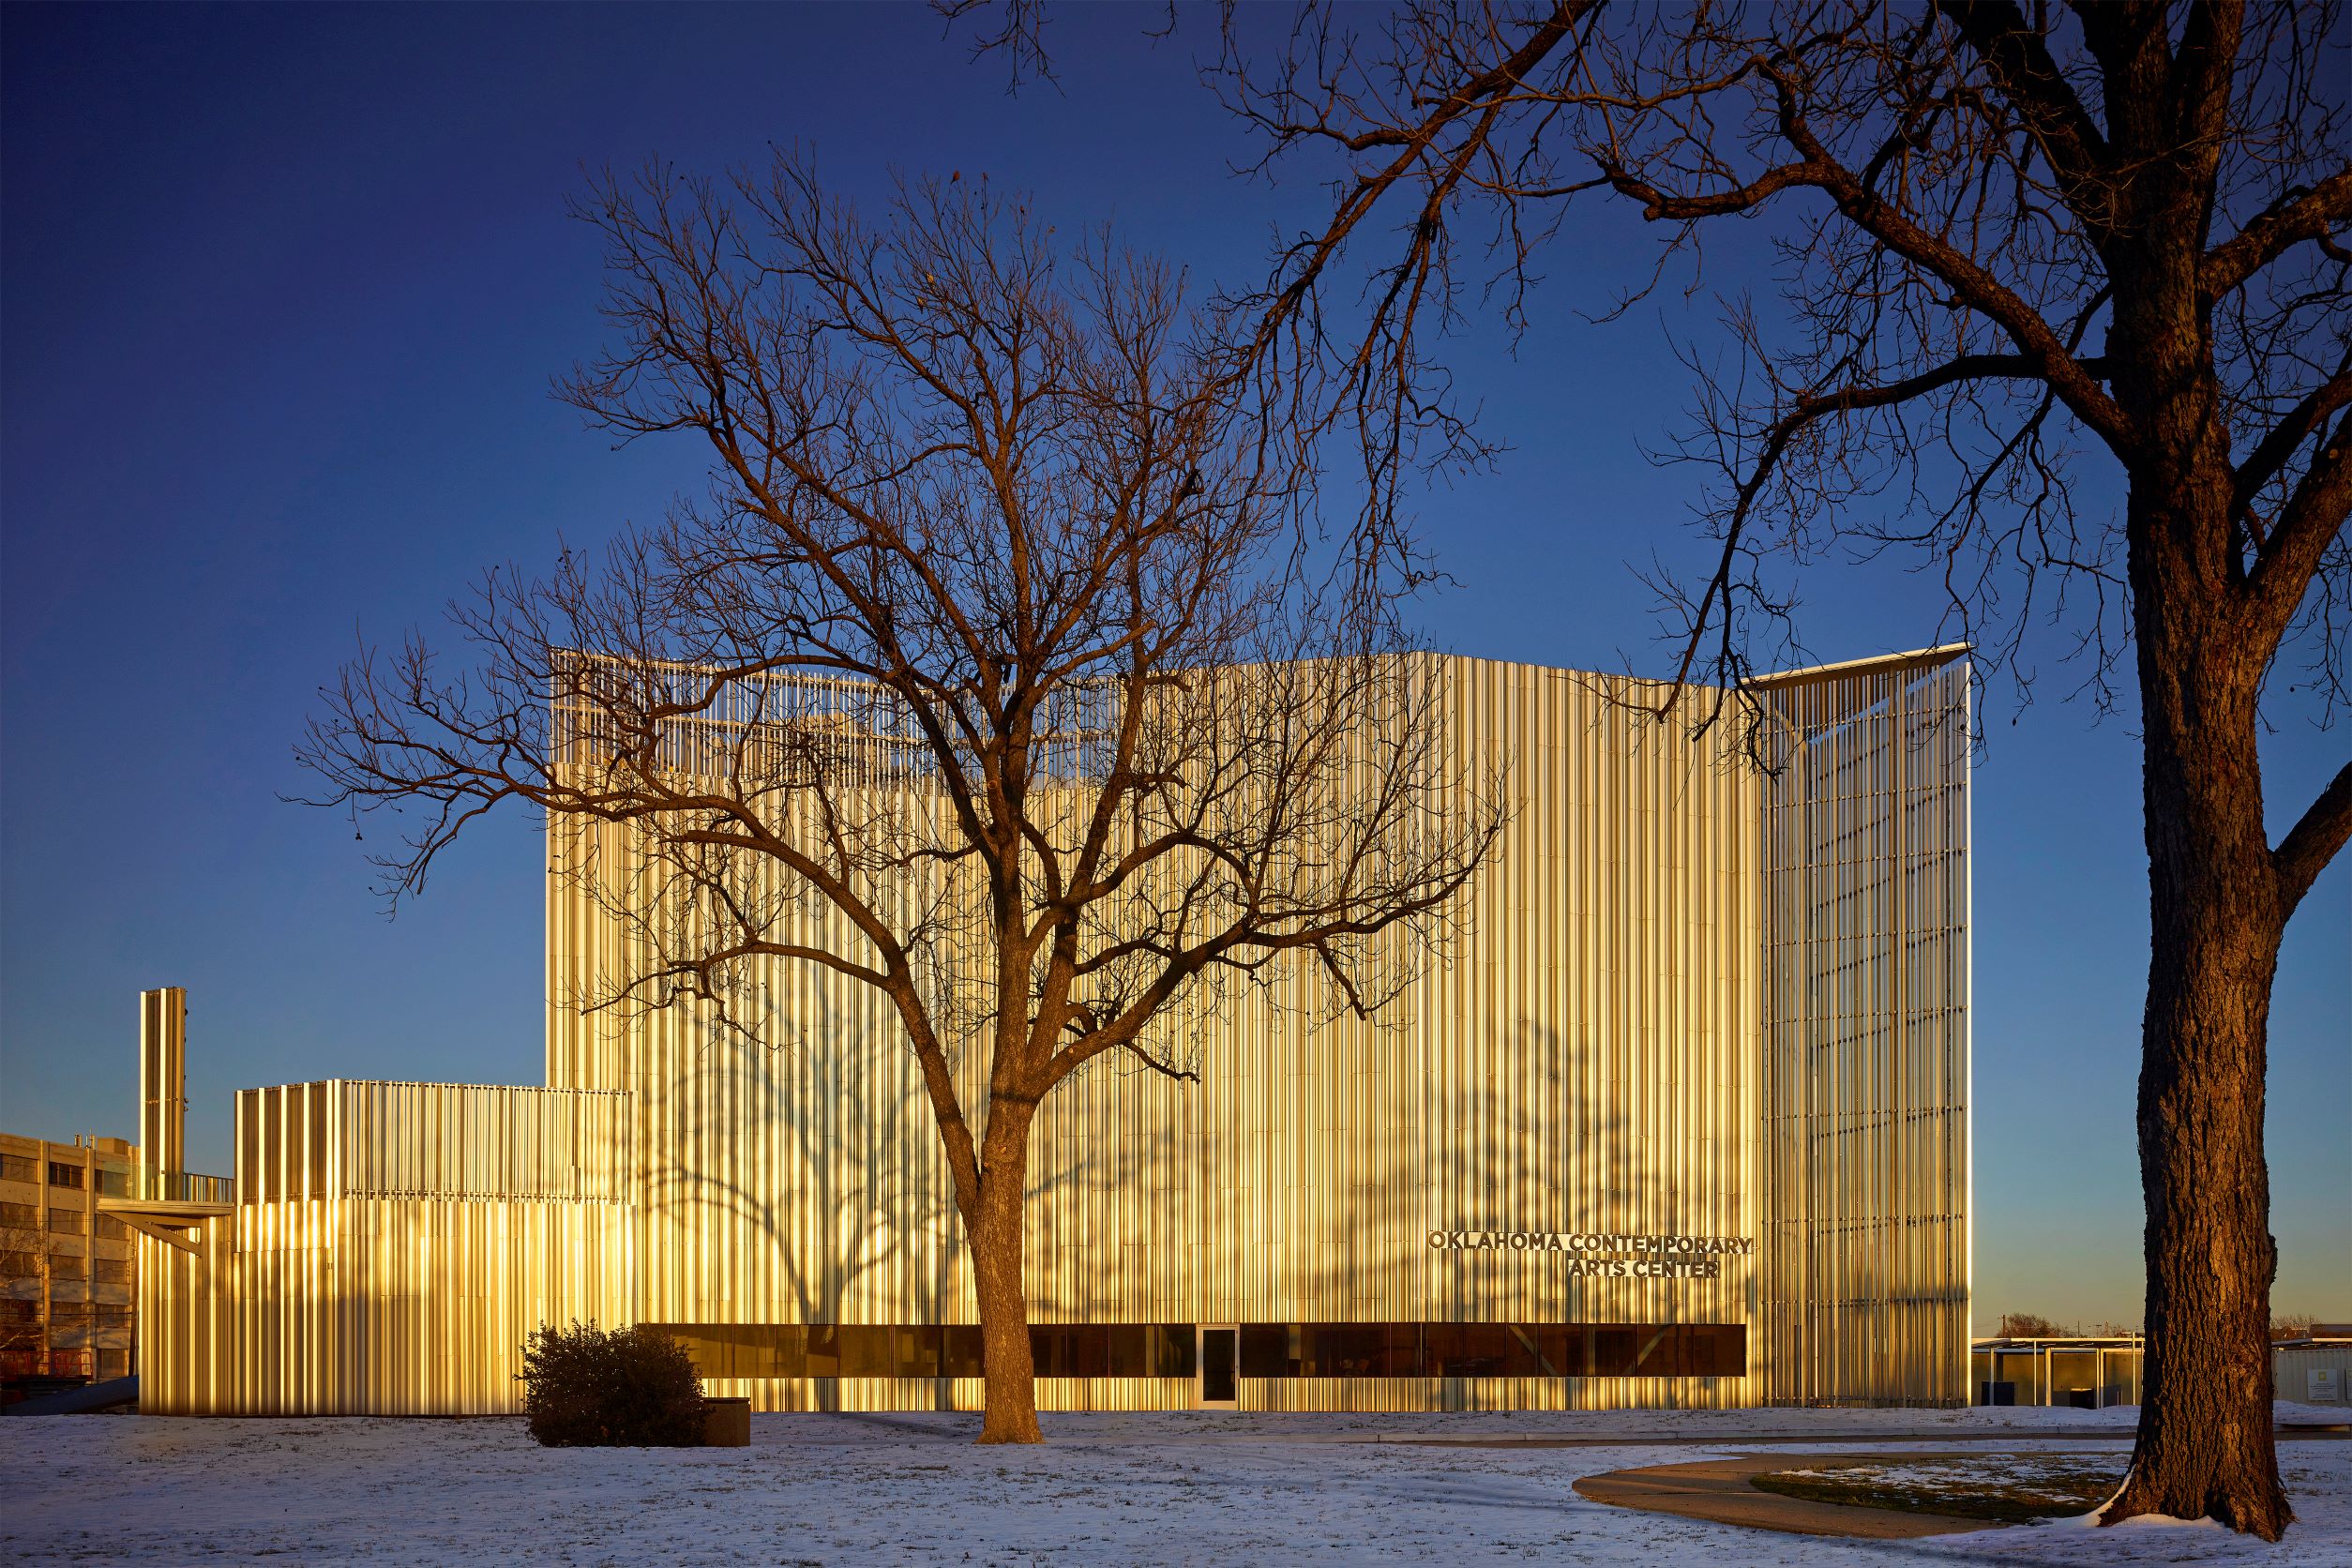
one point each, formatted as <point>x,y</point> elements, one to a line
<point>1109,1489</point>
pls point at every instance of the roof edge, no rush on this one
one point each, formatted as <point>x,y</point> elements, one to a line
<point>1924,658</point>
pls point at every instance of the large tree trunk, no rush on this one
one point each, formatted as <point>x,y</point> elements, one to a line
<point>1007,1364</point>
<point>2205,1444</point>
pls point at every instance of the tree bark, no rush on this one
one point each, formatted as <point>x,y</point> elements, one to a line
<point>2205,1443</point>
<point>1007,1367</point>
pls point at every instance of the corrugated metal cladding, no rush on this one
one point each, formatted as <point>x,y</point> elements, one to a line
<point>1865,1176</point>
<point>163,1087</point>
<point>391,1246</point>
<point>1688,999</point>
<point>1591,1059</point>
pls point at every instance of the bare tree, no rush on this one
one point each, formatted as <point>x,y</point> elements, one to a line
<point>2011,240</point>
<point>2291,1325</point>
<point>986,673</point>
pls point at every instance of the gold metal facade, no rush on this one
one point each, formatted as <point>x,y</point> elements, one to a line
<point>163,1086</point>
<point>391,1246</point>
<point>1685,999</point>
<point>1866,1048</point>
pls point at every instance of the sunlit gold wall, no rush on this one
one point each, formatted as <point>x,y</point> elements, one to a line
<point>1687,998</point>
<point>1586,1060</point>
<point>393,1244</point>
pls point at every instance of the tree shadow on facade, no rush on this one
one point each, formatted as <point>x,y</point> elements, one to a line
<point>794,1176</point>
<point>1560,1149</point>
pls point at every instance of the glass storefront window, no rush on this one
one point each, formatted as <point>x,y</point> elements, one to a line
<point>930,1350</point>
<point>1261,1349</point>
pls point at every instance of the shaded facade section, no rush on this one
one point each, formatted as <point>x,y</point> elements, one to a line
<point>1864,1173</point>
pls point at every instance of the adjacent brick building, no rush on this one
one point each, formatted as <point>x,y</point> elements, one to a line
<point>69,1274</point>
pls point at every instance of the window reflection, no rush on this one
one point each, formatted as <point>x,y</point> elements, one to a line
<point>1494,1350</point>
<point>1264,1350</point>
<point>930,1350</point>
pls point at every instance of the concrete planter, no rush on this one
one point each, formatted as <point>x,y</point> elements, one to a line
<point>726,1423</point>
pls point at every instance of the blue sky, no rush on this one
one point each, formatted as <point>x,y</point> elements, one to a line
<point>283,291</point>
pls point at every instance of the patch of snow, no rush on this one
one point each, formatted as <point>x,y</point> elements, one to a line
<point>2137,1521</point>
<point>1177,1488</point>
<point>1991,1469</point>
<point>2294,1412</point>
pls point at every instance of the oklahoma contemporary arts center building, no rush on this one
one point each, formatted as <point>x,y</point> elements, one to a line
<point>1684,1122</point>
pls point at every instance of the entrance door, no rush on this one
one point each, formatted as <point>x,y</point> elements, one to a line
<point>1220,1355</point>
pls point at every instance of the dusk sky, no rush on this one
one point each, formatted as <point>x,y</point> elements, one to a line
<point>283,291</point>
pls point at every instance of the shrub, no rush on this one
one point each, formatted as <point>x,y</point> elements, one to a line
<point>625,1388</point>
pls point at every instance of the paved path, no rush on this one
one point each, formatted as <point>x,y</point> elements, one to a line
<point>1755,1440</point>
<point>1719,1490</point>
<point>1748,1440</point>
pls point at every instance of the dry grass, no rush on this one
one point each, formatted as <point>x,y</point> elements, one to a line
<point>2013,1488</point>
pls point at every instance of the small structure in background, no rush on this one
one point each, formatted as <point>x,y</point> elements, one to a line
<point>2315,1368</point>
<point>67,1272</point>
<point>2088,1372</point>
<point>727,1420</point>
<point>2093,1371</point>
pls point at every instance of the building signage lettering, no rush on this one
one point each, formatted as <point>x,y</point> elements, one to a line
<point>1609,1254</point>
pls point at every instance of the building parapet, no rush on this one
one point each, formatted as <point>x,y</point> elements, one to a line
<point>359,1138</point>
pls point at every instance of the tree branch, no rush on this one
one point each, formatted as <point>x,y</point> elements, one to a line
<point>2299,539</point>
<point>1784,431</point>
<point>2271,454</point>
<point>2307,215</point>
<point>1974,282</point>
<point>2313,842</point>
<point>2014,51</point>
